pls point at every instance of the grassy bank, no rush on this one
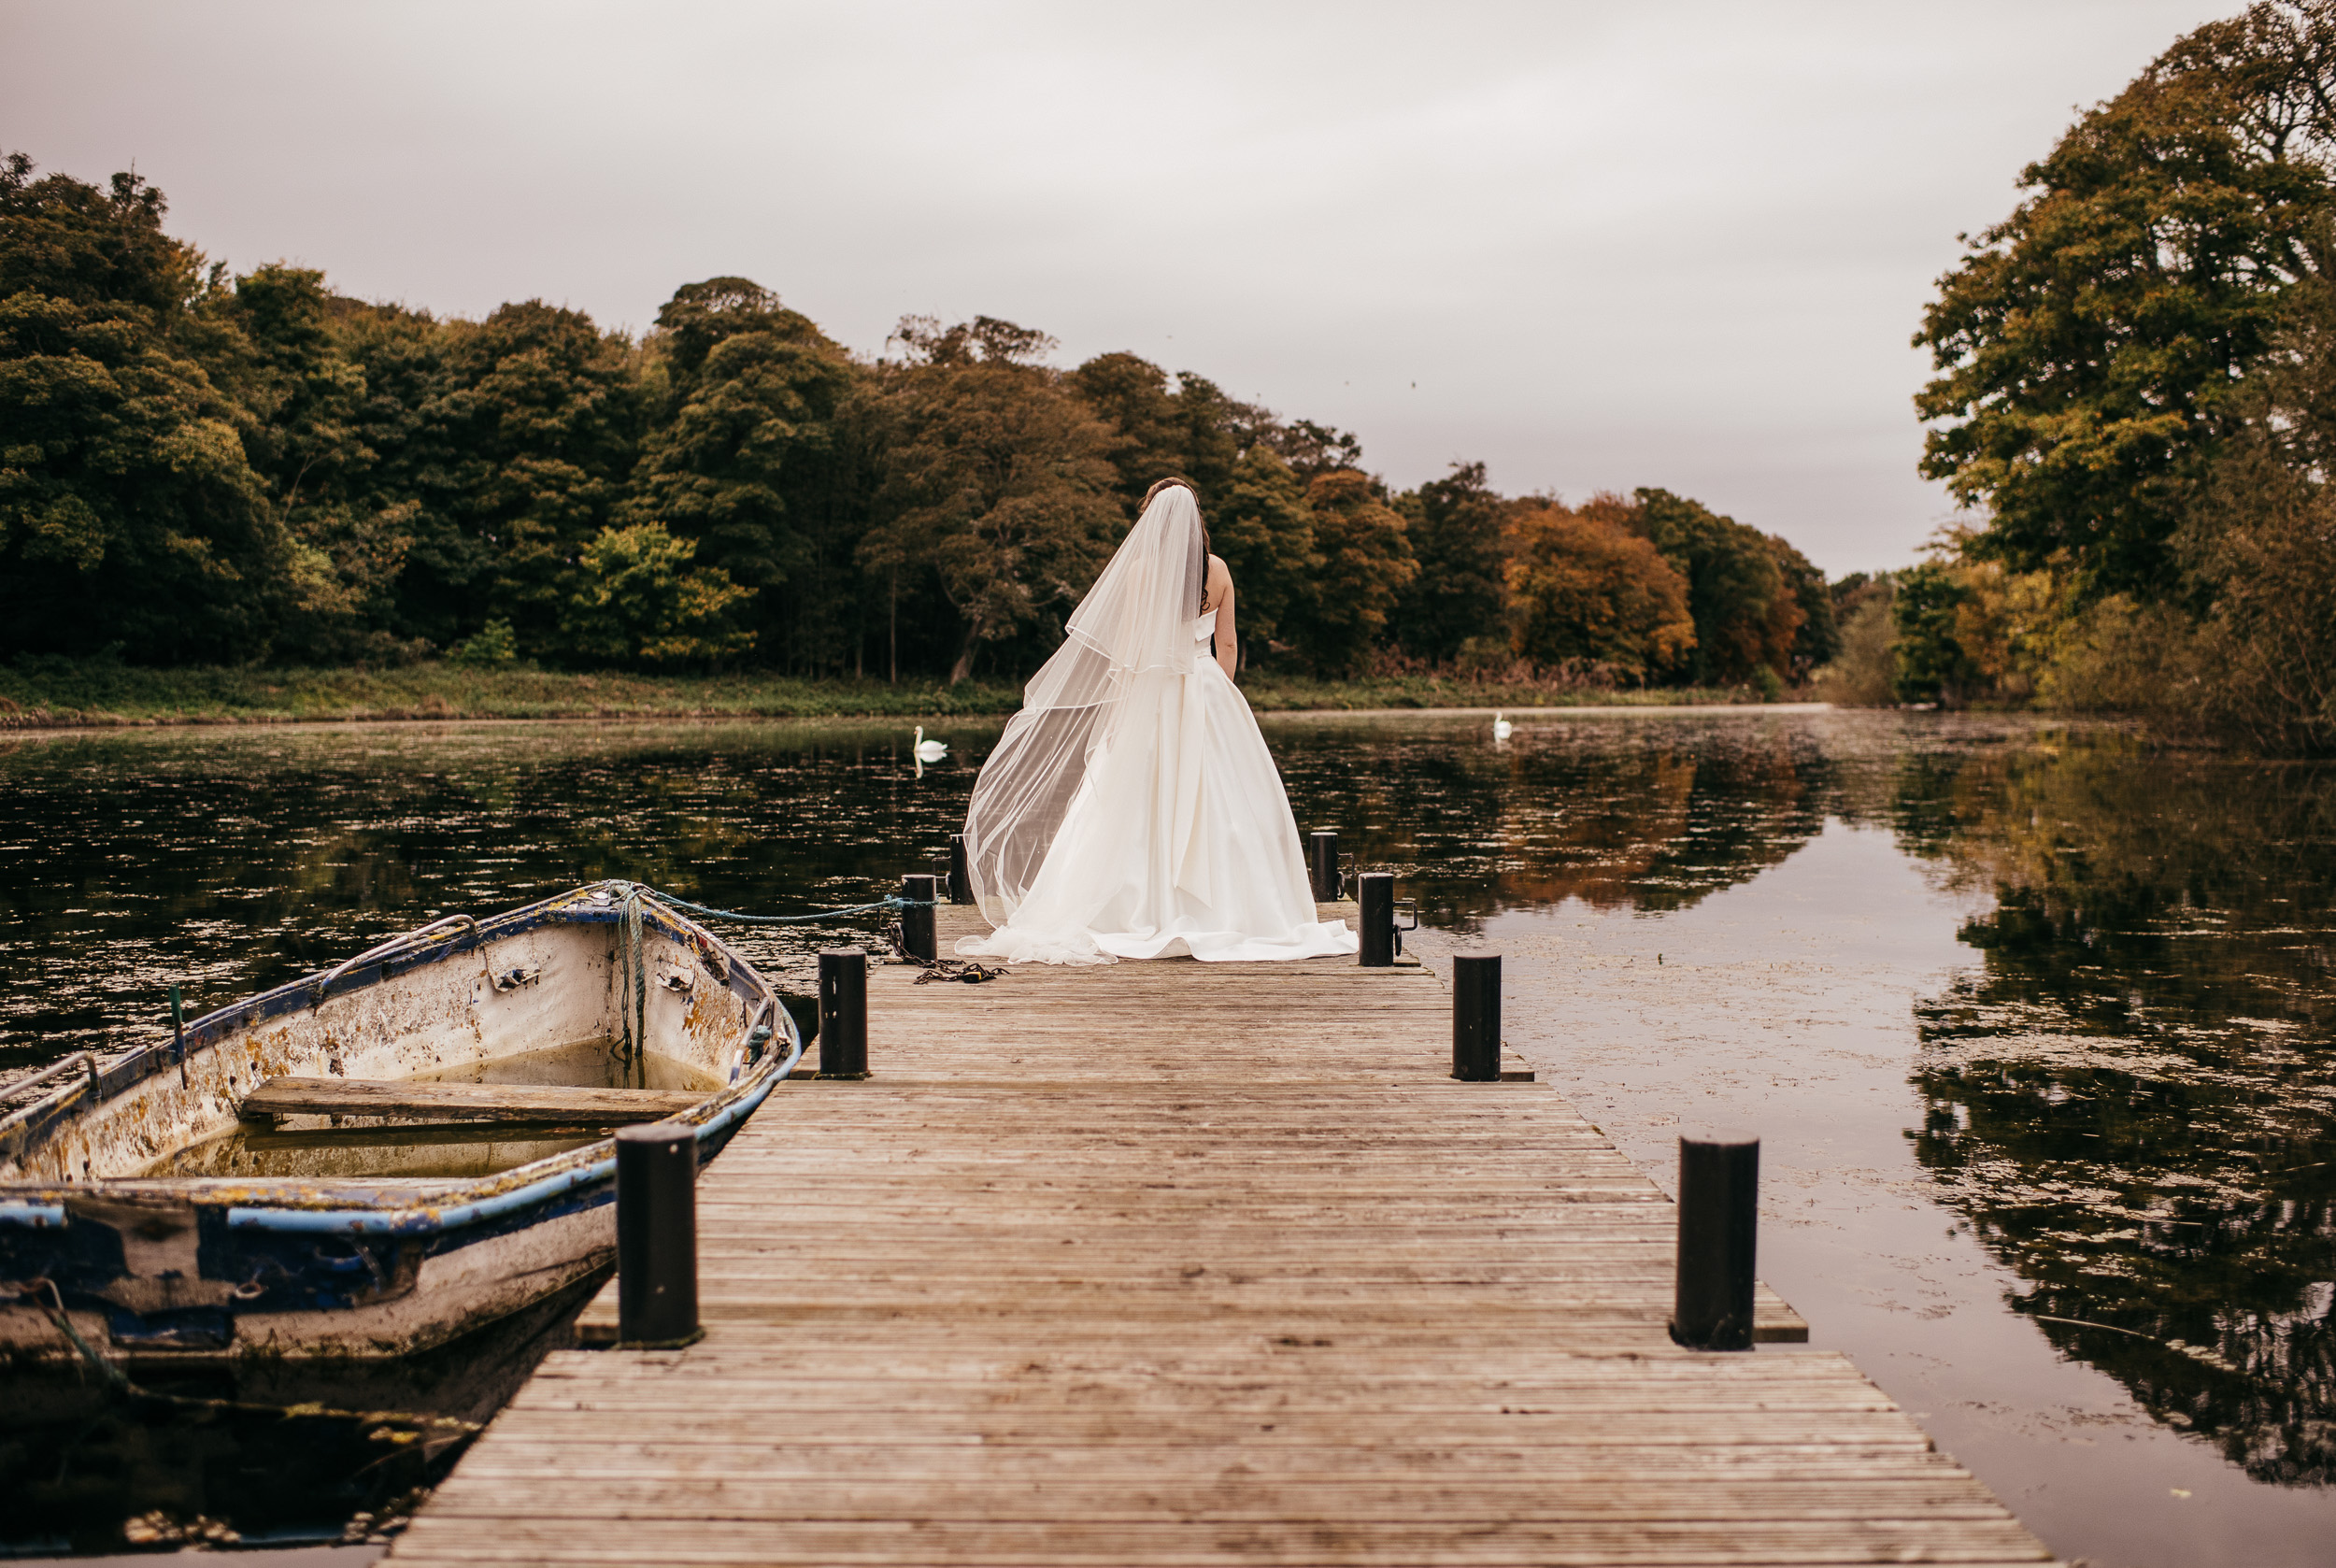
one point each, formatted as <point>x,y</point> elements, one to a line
<point>45,692</point>
<point>1298,695</point>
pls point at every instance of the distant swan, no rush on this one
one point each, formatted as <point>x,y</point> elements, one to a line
<point>1501,726</point>
<point>925,750</point>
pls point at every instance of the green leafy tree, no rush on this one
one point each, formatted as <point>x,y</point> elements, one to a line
<point>491,647</point>
<point>638,599</point>
<point>544,414</point>
<point>746,445</point>
<point>1260,524</point>
<point>1311,450</point>
<point>1213,431</point>
<point>61,238</point>
<point>1133,395</point>
<point>1746,613</point>
<point>129,513</point>
<point>402,488</point>
<point>492,452</point>
<point>1456,525</point>
<point>997,480</point>
<point>2089,346</point>
<point>1365,552</point>
<point>309,442</point>
<point>1933,666</point>
<point>1184,426</point>
<point>1864,671</point>
<point>1585,590</point>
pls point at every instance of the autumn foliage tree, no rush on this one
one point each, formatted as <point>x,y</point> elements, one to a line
<point>1585,590</point>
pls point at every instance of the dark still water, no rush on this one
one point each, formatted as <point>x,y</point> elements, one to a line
<point>2038,1025</point>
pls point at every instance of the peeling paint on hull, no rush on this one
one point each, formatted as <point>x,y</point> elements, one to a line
<point>172,1266</point>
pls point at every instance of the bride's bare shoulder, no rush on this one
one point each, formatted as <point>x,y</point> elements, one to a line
<point>1219,574</point>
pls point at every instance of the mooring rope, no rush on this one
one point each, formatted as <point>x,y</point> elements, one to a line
<point>891,900</point>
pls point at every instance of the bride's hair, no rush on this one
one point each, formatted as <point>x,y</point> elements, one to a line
<point>1158,485</point>
<point>1206,551</point>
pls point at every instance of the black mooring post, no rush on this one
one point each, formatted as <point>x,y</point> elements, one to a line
<point>917,919</point>
<point>1719,1199</point>
<point>1322,864</point>
<point>1374,890</point>
<point>843,1013</point>
<point>657,1236</point>
<point>1476,1018</point>
<point>960,875</point>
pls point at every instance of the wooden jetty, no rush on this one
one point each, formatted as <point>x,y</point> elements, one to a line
<point>1178,1263</point>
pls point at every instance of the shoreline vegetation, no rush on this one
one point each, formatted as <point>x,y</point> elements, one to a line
<point>58,695</point>
<point>212,471</point>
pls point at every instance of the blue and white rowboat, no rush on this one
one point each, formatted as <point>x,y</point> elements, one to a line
<point>142,1199</point>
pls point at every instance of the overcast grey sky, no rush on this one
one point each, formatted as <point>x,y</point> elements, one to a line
<point>1594,244</point>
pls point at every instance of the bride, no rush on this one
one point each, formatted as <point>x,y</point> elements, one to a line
<point>1131,809</point>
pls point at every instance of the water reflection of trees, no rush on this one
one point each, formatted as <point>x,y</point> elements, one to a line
<point>1652,818</point>
<point>2131,1096</point>
<point>240,862</point>
<point>234,863</point>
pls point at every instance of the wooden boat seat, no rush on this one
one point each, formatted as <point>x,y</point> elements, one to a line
<point>465,1102</point>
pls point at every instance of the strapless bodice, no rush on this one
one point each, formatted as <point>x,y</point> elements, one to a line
<point>1205,628</point>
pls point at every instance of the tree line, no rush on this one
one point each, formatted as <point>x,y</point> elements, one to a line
<point>2136,396</point>
<point>200,467</point>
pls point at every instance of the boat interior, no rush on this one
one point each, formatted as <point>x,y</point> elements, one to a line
<point>475,1048</point>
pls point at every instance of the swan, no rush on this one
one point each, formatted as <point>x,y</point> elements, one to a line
<point>1501,726</point>
<point>929,751</point>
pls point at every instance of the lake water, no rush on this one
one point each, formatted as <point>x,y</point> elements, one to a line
<point>2038,1024</point>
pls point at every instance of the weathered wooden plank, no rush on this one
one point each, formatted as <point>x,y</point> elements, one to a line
<point>464,1102</point>
<point>1641,1472</point>
<point>1236,1498</point>
<point>1309,1538</point>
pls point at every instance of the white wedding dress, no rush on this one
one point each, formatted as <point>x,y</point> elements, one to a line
<point>1132,810</point>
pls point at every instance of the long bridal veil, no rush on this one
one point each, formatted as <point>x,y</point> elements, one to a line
<point>1131,809</point>
<point>1134,621</point>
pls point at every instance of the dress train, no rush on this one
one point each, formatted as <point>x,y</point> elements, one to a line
<point>1178,842</point>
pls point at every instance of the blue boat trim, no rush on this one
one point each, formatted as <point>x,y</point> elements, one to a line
<point>38,1216</point>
